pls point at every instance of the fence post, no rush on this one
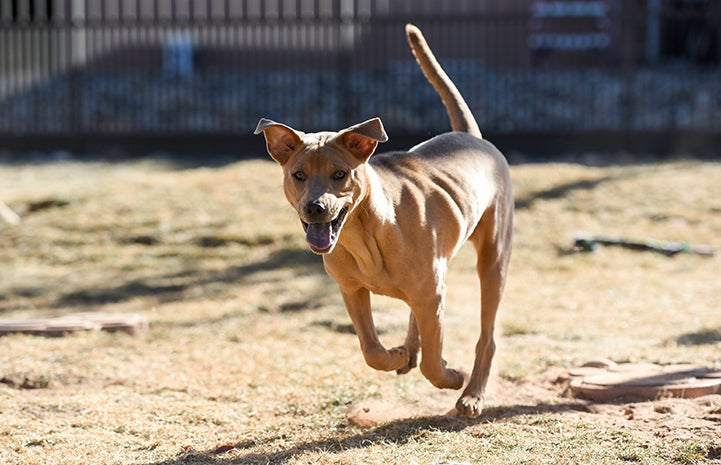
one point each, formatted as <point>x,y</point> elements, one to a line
<point>346,25</point>
<point>628,57</point>
<point>716,15</point>
<point>653,31</point>
<point>77,48</point>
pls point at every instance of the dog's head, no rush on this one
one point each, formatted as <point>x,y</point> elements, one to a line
<point>324,174</point>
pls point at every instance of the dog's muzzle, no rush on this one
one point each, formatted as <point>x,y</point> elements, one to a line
<point>322,236</point>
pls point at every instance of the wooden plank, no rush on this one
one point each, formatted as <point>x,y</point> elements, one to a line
<point>129,323</point>
<point>644,381</point>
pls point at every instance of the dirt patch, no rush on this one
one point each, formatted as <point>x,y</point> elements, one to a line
<point>663,417</point>
<point>547,395</point>
<point>385,409</point>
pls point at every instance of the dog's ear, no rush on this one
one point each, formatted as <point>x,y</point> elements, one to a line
<point>362,139</point>
<point>280,140</point>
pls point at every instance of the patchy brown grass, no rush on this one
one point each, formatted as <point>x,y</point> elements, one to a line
<point>250,346</point>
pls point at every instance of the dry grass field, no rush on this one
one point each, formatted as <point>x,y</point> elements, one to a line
<point>250,357</point>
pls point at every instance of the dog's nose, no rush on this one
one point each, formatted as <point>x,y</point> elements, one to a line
<point>315,207</point>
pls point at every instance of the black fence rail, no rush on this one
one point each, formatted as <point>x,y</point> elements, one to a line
<point>144,70</point>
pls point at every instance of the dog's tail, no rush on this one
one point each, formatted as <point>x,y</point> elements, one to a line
<point>461,117</point>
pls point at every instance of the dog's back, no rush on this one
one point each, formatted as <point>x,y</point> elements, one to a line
<point>461,156</point>
<point>464,147</point>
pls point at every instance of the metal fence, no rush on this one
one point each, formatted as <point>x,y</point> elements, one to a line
<point>203,67</point>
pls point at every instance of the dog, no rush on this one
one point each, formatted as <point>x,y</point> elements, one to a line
<point>389,223</point>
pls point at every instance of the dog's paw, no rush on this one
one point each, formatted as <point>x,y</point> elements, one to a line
<point>401,358</point>
<point>458,378</point>
<point>447,378</point>
<point>470,406</point>
<point>412,363</point>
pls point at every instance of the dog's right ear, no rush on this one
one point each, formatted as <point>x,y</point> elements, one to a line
<point>280,140</point>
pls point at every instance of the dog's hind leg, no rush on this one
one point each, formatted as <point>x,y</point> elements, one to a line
<point>412,345</point>
<point>492,240</point>
<point>376,356</point>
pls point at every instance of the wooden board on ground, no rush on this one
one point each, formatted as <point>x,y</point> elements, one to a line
<point>130,323</point>
<point>609,381</point>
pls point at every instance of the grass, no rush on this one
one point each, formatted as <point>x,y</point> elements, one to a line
<point>250,346</point>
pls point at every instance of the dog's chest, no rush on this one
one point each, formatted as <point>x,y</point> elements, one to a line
<point>352,272</point>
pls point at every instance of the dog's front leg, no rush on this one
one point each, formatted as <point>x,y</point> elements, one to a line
<point>429,315</point>
<point>358,304</point>
<point>412,345</point>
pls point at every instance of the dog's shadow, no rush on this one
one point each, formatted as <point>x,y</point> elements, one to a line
<point>397,432</point>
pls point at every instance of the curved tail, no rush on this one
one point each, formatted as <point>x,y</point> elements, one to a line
<point>460,115</point>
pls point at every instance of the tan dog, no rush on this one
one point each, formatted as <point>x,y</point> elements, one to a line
<point>388,225</point>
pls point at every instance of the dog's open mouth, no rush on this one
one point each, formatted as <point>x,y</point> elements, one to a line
<point>322,236</point>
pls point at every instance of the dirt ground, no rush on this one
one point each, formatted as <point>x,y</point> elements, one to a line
<point>675,419</point>
<point>250,356</point>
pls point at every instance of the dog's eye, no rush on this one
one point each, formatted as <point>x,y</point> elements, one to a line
<point>340,174</point>
<point>299,176</point>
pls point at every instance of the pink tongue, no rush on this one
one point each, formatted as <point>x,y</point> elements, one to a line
<point>318,235</point>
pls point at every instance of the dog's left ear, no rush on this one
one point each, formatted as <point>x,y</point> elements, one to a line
<point>362,139</point>
<point>280,140</point>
